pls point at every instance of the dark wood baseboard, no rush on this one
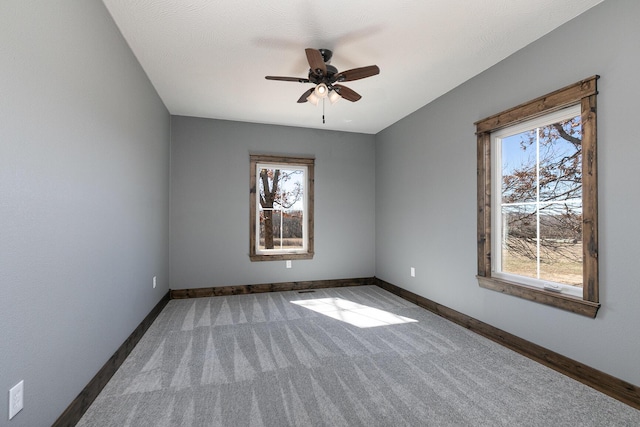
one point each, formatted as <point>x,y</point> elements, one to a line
<point>81,403</point>
<point>605,383</point>
<point>268,287</point>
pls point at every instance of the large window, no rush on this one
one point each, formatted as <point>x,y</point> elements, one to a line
<point>537,211</point>
<point>537,200</point>
<point>281,205</point>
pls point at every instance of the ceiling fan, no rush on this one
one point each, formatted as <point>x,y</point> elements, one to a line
<point>327,79</point>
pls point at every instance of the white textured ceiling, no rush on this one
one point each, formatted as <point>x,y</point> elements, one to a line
<point>208,58</point>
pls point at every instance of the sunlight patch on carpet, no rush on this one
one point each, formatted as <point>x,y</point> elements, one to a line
<point>353,313</point>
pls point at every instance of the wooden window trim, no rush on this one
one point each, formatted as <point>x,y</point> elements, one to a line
<point>583,93</point>
<point>254,159</point>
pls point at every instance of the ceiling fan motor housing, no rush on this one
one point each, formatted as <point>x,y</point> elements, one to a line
<point>327,78</point>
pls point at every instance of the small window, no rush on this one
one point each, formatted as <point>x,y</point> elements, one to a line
<point>537,200</point>
<point>281,204</point>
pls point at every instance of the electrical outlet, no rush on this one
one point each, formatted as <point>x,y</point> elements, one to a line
<point>288,263</point>
<point>154,282</point>
<point>413,272</point>
<point>16,399</point>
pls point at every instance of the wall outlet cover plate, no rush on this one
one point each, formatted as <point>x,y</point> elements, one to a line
<point>16,399</point>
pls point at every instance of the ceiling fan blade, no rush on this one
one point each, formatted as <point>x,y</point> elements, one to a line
<point>357,73</point>
<point>288,79</point>
<point>346,93</point>
<point>305,95</point>
<point>316,61</point>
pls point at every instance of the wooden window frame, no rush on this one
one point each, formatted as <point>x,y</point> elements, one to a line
<point>307,162</point>
<point>583,93</point>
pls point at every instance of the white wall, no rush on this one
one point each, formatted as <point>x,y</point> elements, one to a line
<point>84,178</point>
<point>432,158</point>
<point>210,203</point>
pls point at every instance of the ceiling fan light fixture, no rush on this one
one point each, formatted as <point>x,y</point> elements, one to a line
<point>321,90</point>
<point>313,98</point>
<point>334,97</point>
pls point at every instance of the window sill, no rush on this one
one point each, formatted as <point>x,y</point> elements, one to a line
<point>281,257</point>
<point>559,300</point>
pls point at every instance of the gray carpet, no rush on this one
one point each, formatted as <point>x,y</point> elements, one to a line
<point>261,360</point>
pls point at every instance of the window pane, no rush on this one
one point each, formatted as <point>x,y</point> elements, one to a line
<point>519,252</point>
<point>286,230</point>
<point>547,158</point>
<point>268,221</point>
<point>561,160</point>
<point>292,229</point>
<point>561,243</point>
<point>519,180</point>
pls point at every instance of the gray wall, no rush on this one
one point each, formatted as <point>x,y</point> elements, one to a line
<point>431,223</point>
<point>84,178</point>
<point>84,200</point>
<point>210,203</point>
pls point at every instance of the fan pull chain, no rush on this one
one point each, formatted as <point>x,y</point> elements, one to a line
<point>323,111</point>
